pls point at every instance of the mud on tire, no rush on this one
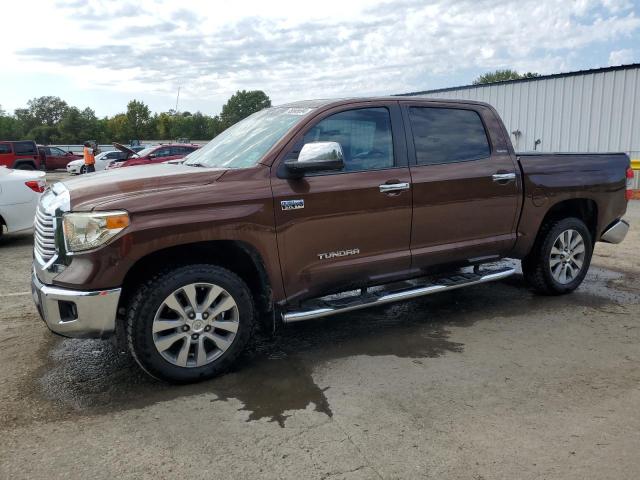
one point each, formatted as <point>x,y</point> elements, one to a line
<point>543,267</point>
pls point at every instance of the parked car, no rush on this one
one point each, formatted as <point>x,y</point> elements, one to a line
<point>20,155</point>
<point>19,194</point>
<point>377,200</point>
<point>154,154</point>
<point>76,167</point>
<point>54,158</point>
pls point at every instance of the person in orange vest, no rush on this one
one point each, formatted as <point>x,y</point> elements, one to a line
<point>89,159</point>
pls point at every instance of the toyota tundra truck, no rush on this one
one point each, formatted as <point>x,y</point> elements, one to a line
<point>311,209</point>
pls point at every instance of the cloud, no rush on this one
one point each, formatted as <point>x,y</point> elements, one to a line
<point>621,57</point>
<point>390,47</point>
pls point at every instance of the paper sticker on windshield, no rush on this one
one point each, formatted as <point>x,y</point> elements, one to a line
<point>298,111</point>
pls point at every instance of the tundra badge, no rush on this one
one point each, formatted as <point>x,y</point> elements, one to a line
<point>339,253</point>
<point>292,204</point>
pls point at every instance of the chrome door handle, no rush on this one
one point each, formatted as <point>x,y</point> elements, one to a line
<point>393,187</point>
<point>503,177</point>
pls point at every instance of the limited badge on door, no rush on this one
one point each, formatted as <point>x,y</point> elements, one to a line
<point>292,204</point>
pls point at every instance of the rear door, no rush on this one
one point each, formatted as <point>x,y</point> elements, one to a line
<point>341,229</point>
<point>26,151</point>
<point>56,158</point>
<point>465,184</point>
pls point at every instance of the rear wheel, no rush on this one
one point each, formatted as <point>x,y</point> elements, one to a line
<point>25,166</point>
<point>560,257</point>
<point>190,323</point>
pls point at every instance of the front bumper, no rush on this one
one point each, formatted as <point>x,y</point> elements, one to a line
<point>74,313</point>
<point>616,232</point>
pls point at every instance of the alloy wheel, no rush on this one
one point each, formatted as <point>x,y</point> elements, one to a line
<point>195,325</point>
<point>567,256</point>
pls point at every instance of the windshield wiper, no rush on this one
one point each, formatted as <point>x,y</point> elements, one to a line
<point>195,165</point>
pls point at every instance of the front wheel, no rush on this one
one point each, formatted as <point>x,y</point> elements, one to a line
<point>83,170</point>
<point>190,323</point>
<point>560,257</point>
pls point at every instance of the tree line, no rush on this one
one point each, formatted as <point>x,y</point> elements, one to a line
<point>51,120</point>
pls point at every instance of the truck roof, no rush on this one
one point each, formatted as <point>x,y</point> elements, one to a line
<point>318,103</point>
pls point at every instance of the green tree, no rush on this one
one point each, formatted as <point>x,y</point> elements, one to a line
<point>47,110</point>
<point>241,105</point>
<point>502,76</point>
<point>138,119</point>
<point>78,126</point>
<point>10,127</point>
<point>43,134</point>
<point>118,128</point>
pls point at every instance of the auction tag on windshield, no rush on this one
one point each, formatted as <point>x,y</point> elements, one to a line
<point>298,111</point>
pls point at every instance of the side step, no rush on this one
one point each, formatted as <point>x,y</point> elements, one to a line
<point>324,308</point>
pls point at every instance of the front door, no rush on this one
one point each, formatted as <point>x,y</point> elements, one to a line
<point>465,185</point>
<point>338,230</point>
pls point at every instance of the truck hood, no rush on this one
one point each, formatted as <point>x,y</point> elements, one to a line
<point>89,191</point>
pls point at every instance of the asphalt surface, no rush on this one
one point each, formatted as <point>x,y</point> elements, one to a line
<point>488,382</point>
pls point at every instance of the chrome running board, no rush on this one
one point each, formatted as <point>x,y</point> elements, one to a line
<point>324,308</point>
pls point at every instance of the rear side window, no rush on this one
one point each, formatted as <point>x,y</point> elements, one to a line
<point>162,152</point>
<point>447,135</point>
<point>25,148</point>
<point>5,148</point>
<point>364,135</point>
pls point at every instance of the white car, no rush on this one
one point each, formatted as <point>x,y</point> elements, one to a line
<point>102,160</point>
<point>19,194</point>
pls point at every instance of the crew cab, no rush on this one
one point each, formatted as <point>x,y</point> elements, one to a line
<point>311,209</point>
<point>19,155</point>
<point>54,158</point>
<point>154,154</point>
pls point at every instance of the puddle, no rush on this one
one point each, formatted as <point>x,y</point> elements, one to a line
<point>274,378</point>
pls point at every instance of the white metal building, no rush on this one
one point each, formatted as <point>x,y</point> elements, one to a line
<point>585,111</point>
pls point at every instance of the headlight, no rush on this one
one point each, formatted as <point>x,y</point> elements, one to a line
<point>85,231</point>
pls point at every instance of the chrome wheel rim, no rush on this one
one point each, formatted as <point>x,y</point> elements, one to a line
<point>195,325</point>
<point>567,256</point>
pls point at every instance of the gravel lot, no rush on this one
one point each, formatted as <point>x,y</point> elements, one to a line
<point>488,382</point>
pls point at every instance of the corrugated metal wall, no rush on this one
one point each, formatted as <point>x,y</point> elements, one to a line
<point>590,112</point>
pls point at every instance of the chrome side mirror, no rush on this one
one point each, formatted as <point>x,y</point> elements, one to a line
<point>316,157</point>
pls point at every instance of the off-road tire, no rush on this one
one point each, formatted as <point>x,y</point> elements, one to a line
<point>536,266</point>
<point>144,304</point>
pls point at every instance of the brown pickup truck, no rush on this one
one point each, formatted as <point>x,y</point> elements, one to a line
<point>310,209</point>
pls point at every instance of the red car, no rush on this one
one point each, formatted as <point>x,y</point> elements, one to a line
<point>53,158</point>
<point>154,154</point>
<point>21,155</point>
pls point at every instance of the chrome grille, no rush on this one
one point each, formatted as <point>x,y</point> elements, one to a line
<point>44,235</point>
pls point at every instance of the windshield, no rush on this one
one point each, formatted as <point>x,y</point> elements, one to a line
<point>245,143</point>
<point>144,152</point>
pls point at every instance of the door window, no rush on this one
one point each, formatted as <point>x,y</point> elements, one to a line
<point>163,152</point>
<point>5,148</point>
<point>446,135</point>
<point>25,148</point>
<point>56,151</point>
<point>364,134</point>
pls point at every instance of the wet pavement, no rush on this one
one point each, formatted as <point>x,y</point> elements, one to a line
<point>490,381</point>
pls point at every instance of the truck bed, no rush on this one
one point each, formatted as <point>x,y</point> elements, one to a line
<point>549,178</point>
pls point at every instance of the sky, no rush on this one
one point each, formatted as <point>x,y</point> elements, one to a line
<point>101,54</point>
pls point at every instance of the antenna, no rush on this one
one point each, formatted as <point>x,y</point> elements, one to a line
<point>177,98</point>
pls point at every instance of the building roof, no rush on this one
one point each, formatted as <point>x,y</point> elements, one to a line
<point>531,79</point>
